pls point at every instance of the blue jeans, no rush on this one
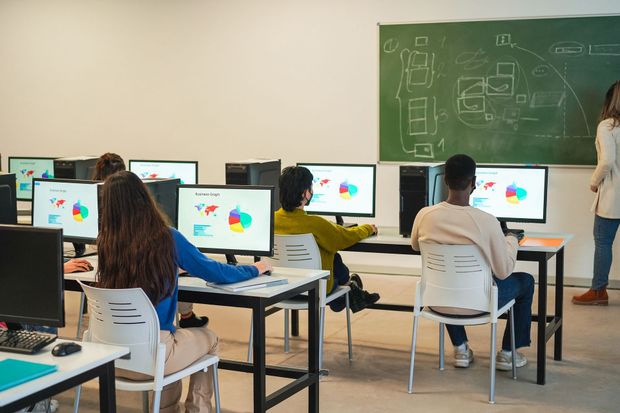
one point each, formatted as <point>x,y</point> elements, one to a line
<point>520,287</point>
<point>604,234</point>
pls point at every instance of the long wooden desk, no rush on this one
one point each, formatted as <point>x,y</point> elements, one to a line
<point>94,361</point>
<point>195,290</point>
<point>388,241</point>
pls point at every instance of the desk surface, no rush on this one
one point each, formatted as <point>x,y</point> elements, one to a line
<point>92,355</point>
<point>390,235</point>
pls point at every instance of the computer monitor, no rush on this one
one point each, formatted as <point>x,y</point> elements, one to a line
<point>8,201</point>
<point>32,287</point>
<point>164,192</point>
<point>227,219</point>
<point>27,168</point>
<point>342,190</point>
<point>186,171</point>
<point>69,204</point>
<point>512,193</point>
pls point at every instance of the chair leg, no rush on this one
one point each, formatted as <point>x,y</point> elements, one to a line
<point>441,346</point>
<point>251,341</point>
<point>492,364</point>
<point>512,343</point>
<point>156,401</point>
<point>349,326</point>
<point>76,402</point>
<point>322,335</point>
<point>216,389</point>
<point>78,333</point>
<point>412,356</point>
<point>145,402</point>
<point>286,323</point>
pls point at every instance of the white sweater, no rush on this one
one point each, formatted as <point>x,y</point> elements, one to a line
<point>606,176</point>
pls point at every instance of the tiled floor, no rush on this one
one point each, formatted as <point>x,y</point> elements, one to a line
<point>587,380</point>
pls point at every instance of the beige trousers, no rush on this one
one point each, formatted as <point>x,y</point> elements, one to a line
<point>184,347</point>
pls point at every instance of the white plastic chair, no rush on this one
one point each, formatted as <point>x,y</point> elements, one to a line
<point>126,317</point>
<point>302,251</point>
<point>458,276</point>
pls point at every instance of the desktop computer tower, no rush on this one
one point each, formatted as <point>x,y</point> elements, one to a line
<point>78,167</point>
<point>420,185</point>
<point>8,199</point>
<point>164,192</point>
<point>255,172</point>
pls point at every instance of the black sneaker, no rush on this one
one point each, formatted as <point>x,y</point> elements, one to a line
<point>357,280</point>
<point>361,299</point>
<point>193,321</point>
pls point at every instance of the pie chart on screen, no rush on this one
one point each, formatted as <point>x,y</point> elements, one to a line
<point>239,221</point>
<point>80,212</point>
<point>515,194</point>
<point>347,190</point>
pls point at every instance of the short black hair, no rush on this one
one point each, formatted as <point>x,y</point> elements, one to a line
<point>460,170</point>
<point>294,181</point>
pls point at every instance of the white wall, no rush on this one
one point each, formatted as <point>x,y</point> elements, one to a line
<point>227,80</point>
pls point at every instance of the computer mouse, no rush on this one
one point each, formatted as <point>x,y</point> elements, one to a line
<point>89,268</point>
<point>66,348</point>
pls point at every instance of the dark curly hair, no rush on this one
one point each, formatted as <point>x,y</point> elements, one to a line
<point>294,181</point>
<point>460,170</point>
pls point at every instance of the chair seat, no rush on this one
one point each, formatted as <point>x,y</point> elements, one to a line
<point>464,321</point>
<point>301,303</point>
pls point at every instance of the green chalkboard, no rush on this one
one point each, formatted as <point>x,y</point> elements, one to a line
<point>503,91</point>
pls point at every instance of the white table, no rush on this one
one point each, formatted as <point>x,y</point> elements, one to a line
<point>93,361</point>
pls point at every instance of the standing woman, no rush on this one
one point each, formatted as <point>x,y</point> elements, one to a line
<point>605,182</point>
<point>137,249</point>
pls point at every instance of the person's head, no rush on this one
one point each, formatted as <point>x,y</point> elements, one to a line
<point>460,173</point>
<point>107,164</point>
<point>295,187</point>
<point>611,106</point>
<point>134,245</point>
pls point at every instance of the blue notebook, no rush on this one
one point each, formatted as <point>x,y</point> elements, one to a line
<point>14,372</point>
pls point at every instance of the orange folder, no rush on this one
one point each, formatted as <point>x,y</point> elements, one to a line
<point>541,242</point>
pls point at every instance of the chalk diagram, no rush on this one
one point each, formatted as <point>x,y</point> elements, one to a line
<point>505,89</point>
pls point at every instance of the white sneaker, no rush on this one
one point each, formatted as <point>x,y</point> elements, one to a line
<point>462,358</point>
<point>503,360</point>
<point>41,407</point>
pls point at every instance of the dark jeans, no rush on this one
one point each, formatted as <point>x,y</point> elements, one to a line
<point>604,233</point>
<point>341,277</point>
<point>520,287</point>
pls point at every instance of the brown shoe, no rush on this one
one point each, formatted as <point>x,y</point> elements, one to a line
<point>592,297</point>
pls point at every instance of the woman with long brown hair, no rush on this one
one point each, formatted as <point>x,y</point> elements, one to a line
<point>137,249</point>
<point>605,183</point>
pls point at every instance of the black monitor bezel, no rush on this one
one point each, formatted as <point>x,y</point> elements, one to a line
<point>256,253</point>
<point>60,320</point>
<point>29,157</point>
<point>347,214</point>
<point>542,220</point>
<point>84,240</point>
<point>167,161</point>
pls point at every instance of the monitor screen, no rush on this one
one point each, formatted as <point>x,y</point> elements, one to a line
<point>186,171</point>
<point>25,169</point>
<point>512,193</point>
<point>32,289</point>
<point>68,204</point>
<point>345,190</point>
<point>227,219</point>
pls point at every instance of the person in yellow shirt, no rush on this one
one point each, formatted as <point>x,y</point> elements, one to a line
<point>295,193</point>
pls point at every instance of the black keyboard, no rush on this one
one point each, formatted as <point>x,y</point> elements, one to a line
<point>25,342</point>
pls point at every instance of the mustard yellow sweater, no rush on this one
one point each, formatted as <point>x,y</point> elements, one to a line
<point>330,237</point>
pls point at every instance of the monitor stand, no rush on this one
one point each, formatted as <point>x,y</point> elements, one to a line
<point>231,259</point>
<point>505,228</point>
<point>79,249</point>
<point>340,221</point>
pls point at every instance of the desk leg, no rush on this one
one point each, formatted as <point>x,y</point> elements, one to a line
<point>107,389</point>
<point>559,303</point>
<point>313,347</point>
<point>258,350</point>
<point>295,323</point>
<point>541,352</point>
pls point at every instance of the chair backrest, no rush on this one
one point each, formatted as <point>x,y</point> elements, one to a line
<point>455,276</point>
<point>124,317</point>
<point>296,251</point>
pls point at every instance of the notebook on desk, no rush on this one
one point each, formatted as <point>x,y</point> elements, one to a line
<point>14,372</point>
<point>251,284</point>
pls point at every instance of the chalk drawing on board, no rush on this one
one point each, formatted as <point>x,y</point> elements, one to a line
<point>521,98</point>
<point>502,39</point>
<point>500,85</point>
<point>420,69</point>
<point>567,48</point>
<point>424,150</point>
<point>511,118</point>
<point>390,45</point>
<point>612,49</point>
<point>472,60</point>
<point>471,104</point>
<point>418,116</point>
<point>540,71</point>
<point>421,41</point>
<point>470,86</point>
